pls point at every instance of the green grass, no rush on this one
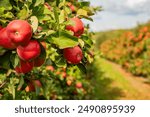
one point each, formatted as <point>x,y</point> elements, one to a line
<point>109,83</point>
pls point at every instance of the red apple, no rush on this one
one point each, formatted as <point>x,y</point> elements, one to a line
<point>73,55</point>
<point>39,61</point>
<point>19,31</point>
<point>77,27</point>
<point>5,41</point>
<point>64,74</point>
<point>72,7</point>
<point>47,5</point>
<point>30,51</point>
<point>24,67</point>
<point>41,58</point>
<point>69,82</point>
<point>51,68</point>
<point>32,84</point>
<point>78,85</point>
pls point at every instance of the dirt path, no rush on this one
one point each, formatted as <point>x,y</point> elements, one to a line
<point>139,84</point>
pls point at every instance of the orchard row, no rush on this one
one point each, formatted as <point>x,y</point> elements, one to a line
<point>131,50</point>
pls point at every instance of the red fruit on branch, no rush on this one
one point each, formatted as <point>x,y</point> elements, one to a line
<point>50,67</point>
<point>32,84</point>
<point>47,5</point>
<point>78,85</point>
<point>5,41</point>
<point>39,61</point>
<point>30,51</point>
<point>24,67</point>
<point>69,82</point>
<point>77,27</point>
<point>19,31</point>
<point>41,58</point>
<point>73,55</point>
<point>72,7</point>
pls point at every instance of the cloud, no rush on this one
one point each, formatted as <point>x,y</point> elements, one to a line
<point>120,14</point>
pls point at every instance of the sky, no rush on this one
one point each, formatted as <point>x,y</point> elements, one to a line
<point>118,14</point>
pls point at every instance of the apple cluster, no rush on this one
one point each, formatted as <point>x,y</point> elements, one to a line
<point>74,55</point>
<point>18,36</point>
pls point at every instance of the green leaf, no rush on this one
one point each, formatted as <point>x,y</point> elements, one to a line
<point>21,82</point>
<point>2,51</point>
<point>60,62</point>
<point>85,3</point>
<point>5,60</point>
<point>14,60</point>
<point>82,68</point>
<point>62,16</point>
<point>56,15</point>
<point>38,2</point>
<point>23,14</point>
<point>6,4</point>
<point>7,15</point>
<point>2,9</point>
<point>82,12</point>
<point>34,23</point>
<point>64,40</point>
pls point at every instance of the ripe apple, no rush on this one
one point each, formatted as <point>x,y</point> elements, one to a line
<point>73,55</point>
<point>41,58</point>
<point>64,74</point>
<point>24,67</point>
<point>30,51</point>
<point>47,6</point>
<point>19,31</point>
<point>5,41</point>
<point>32,84</point>
<point>69,82</point>
<point>39,61</point>
<point>72,7</point>
<point>50,67</point>
<point>77,27</point>
<point>79,85</point>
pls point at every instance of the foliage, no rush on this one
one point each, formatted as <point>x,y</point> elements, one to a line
<point>131,50</point>
<point>48,20</point>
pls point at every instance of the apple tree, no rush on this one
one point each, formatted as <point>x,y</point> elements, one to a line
<point>44,49</point>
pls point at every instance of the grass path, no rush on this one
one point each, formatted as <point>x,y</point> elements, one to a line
<point>113,82</point>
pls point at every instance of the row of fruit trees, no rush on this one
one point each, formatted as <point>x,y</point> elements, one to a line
<point>45,48</point>
<point>131,50</point>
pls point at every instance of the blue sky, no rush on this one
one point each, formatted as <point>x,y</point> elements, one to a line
<point>119,14</point>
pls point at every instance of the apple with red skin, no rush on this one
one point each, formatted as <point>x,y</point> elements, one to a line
<point>41,58</point>
<point>30,51</point>
<point>24,67</point>
<point>69,82</point>
<point>77,28</point>
<point>64,74</point>
<point>50,67</point>
<point>5,41</point>
<point>72,7</point>
<point>32,84</point>
<point>78,85</point>
<point>19,32</point>
<point>47,6</point>
<point>39,61</point>
<point>73,55</point>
